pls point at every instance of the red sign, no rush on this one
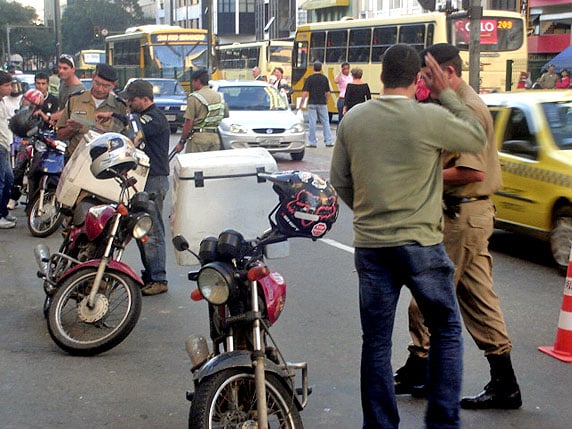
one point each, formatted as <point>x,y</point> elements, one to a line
<point>488,30</point>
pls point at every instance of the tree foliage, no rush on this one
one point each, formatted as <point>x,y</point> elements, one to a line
<point>14,14</point>
<point>82,19</point>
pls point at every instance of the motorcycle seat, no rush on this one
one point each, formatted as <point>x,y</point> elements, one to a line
<point>82,208</point>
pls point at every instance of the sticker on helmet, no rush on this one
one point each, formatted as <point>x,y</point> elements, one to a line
<point>319,229</point>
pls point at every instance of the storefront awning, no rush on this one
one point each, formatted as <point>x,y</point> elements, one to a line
<point>321,4</point>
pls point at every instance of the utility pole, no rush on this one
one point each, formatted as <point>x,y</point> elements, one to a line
<point>57,29</point>
<point>475,13</point>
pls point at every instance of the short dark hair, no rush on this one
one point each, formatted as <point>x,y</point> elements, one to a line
<point>201,75</point>
<point>345,63</point>
<point>400,66</point>
<point>317,66</point>
<point>280,69</point>
<point>41,75</point>
<point>5,77</point>
<point>139,88</point>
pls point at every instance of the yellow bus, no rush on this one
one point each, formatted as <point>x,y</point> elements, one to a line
<point>237,60</point>
<point>158,51</point>
<point>362,42</point>
<point>87,59</point>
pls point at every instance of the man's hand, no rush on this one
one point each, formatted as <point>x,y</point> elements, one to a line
<point>103,116</point>
<point>436,79</point>
<point>180,146</point>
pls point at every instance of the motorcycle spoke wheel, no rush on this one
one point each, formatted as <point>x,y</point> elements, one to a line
<point>46,221</point>
<point>83,330</point>
<point>227,399</point>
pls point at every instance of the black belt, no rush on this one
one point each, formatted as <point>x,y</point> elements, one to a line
<point>453,204</point>
<point>203,130</point>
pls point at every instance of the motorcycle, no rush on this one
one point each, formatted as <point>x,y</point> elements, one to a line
<point>93,299</point>
<point>43,210</point>
<point>245,382</point>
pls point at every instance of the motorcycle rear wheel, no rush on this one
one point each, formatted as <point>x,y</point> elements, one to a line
<point>45,223</point>
<point>82,331</point>
<point>228,399</point>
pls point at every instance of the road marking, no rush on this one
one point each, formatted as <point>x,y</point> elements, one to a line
<point>337,244</point>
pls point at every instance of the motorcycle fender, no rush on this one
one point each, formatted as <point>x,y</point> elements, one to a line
<point>113,265</point>
<point>239,359</point>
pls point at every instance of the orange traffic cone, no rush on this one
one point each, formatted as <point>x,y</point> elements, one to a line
<point>562,349</point>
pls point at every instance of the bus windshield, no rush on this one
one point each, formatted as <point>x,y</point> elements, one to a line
<point>498,34</point>
<point>180,56</point>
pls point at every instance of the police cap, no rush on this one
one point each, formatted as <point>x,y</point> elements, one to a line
<point>442,52</point>
<point>106,72</point>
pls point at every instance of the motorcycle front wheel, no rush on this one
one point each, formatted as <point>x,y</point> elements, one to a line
<point>227,399</point>
<point>84,331</point>
<point>46,221</point>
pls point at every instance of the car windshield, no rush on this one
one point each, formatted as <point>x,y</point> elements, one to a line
<point>253,98</point>
<point>165,88</point>
<point>559,117</point>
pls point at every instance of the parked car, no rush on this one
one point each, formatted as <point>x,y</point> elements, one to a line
<point>534,137</point>
<point>259,116</point>
<point>170,97</point>
<point>27,79</point>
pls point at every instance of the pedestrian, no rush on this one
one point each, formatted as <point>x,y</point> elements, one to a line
<point>256,74</point>
<point>69,84</point>
<point>79,112</point>
<point>564,81</point>
<point>281,84</point>
<point>54,82</point>
<point>156,134</point>
<point>316,93</point>
<point>389,173</point>
<point>342,79</point>
<point>548,79</point>
<point>6,175</point>
<point>469,179</point>
<point>205,111</point>
<point>51,102</point>
<point>357,91</point>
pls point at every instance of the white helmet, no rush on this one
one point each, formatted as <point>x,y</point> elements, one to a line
<point>112,154</point>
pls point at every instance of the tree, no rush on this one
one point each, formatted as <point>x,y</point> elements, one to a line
<point>13,14</point>
<point>82,18</point>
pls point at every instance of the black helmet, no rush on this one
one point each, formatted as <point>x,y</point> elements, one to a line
<point>308,204</point>
<point>23,123</point>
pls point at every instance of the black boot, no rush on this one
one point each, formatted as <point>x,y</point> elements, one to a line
<point>410,378</point>
<point>501,392</point>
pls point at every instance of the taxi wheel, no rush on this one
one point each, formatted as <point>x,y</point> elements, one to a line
<point>560,239</point>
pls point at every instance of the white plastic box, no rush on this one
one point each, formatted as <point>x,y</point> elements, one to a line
<point>214,191</point>
<point>76,176</point>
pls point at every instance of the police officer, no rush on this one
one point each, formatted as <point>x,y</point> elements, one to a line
<point>139,95</point>
<point>469,180</point>
<point>205,111</point>
<point>79,112</point>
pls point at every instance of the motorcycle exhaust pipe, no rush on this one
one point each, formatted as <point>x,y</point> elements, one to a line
<point>42,254</point>
<point>197,349</point>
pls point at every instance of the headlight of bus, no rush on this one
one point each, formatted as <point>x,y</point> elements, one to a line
<point>142,225</point>
<point>216,282</point>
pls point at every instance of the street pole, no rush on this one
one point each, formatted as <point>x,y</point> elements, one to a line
<point>57,29</point>
<point>8,43</point>
<point>475,15</point>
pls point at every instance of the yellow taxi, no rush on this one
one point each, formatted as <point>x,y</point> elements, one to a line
<point>534,137</point>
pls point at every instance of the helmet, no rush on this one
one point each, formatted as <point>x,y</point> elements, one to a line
<point>17,88</point>
<point>112,154</point>
<point>308,204</point>
<point>34,97</point>
<point>23,123</point>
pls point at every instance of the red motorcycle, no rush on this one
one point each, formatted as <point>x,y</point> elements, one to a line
<point>245,382</point>
<point>93,300</point>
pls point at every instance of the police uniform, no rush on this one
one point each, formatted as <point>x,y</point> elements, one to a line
<point>81,106</point>
<point>206,109</point>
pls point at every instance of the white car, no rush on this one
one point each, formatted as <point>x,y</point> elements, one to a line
<point>259,116</point>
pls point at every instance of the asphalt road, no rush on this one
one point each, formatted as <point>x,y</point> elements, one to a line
<point>142,382</point>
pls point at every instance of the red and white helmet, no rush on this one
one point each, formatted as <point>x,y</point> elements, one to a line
<point>35,97</point>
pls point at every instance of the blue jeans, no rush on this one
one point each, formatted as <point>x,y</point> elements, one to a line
<point>428,272</point>
<point>6,181</point>
<point>153,253</point>
<point>319,112</point>
<point>340,106</point>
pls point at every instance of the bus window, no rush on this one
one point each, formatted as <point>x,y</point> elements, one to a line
<point>300,56</point>
<point>360,42</point>
<point>336,45</point>
<point>413,35</point>
<point>383,38</point>
<point>317,46</point>
<point>497,34</point>
<point>280,54</point>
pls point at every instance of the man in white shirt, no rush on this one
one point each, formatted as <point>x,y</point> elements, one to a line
<point>6,175</point>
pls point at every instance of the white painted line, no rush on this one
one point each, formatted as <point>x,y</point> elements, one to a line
<point>341,246</point>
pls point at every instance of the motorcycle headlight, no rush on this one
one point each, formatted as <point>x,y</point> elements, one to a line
<point>40,146</point>
<point>142,225</point>
<point>216,282</point>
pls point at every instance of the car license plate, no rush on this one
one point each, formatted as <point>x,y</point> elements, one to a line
<point>171,118</point>
<point>271,142</point>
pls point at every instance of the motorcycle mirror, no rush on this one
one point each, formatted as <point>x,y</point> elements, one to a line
<point>180,243</point>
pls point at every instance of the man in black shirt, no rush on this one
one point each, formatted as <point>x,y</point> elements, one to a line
<point>156,133</point>
<point>317,92</point>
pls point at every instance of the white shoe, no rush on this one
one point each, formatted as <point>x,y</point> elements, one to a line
<point>6,224</point>
<point>12,204</point>
<point>10,218</point>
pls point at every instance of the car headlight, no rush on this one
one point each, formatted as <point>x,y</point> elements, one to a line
<point>298,128</point>
<point>142,225</point>
<point>237,129</point>
<point>183,107</point>
<point>216,282</point>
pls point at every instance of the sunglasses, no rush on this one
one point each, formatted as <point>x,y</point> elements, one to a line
<point>65,58</point>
